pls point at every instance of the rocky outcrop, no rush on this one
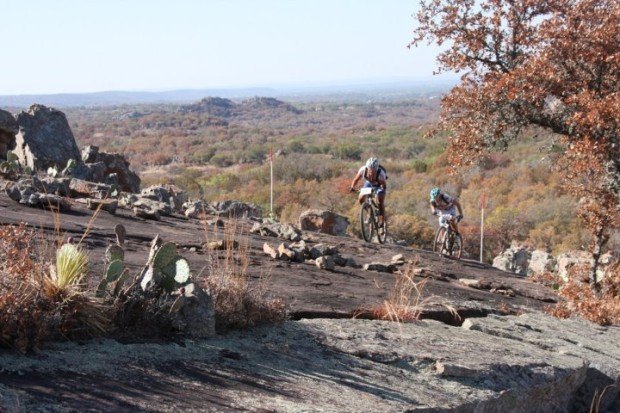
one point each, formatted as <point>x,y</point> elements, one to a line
<point>274,229</point>
<point>44,139</point>
<point>541,262</point>
<point>514,259</point>
<point>530,363</point>
<point>31,192</point>
<point>169,194</point>
<point>323,221</point>
<point>106,168</point>
<point>213,106</point>
<point>262,103</point>
<point>571,259</point>
<point>235,209</point>
<point>8,129</point>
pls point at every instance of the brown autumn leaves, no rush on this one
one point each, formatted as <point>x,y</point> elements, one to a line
<point>553,64</point>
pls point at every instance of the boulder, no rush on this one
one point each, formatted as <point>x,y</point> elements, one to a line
<point>379,267</point>
<point>572,258</point>
<point>44,139</point>
<point>196,315</point>
<point>79,188</point>
<point>8,130</point>
<point>284,231</point>
<point>541,262</point>
<point>323,221</point>
<point>320,250</point>
<point>170,194</point>
<point>325,263</point>
<point>235,209</point>
<point>514,259</point>
<point>25,191</point>
<point>98,166</point>
<point>195,209</point>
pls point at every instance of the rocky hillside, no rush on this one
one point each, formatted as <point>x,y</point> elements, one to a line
<point>495,351</point>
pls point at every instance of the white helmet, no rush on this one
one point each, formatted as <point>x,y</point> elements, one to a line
<point>372,163</point>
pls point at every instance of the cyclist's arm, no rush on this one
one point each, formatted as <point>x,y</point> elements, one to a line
<point>358,176</point>
<point>458,206</point>
<point>382,181</point>
<point>433,209</point>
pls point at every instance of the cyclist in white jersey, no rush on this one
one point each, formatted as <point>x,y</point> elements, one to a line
<point>375,177</point>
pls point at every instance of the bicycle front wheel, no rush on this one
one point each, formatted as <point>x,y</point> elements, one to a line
<point>367,222</point>
<point>457,246</point>
<point>440,237</point>
<point>382,232</point>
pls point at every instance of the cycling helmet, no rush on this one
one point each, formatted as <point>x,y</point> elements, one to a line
<point>372,163</point>
<point>434,193</point>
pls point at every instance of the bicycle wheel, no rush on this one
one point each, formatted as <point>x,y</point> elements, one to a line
<point>382,231</point>
<point>367,222</point>
<point>440,237</point>
<point>457,246</point>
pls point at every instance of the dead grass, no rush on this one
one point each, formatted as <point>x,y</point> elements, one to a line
<point>579,299</point>
<point>407,299</point>
<point>237,303</point>
<point>33,309</point>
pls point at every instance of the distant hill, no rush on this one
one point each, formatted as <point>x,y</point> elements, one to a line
<point>337,93</point>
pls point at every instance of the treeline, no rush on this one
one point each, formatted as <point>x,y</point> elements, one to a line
<point>319,151</point>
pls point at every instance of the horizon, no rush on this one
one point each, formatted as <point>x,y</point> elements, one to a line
<point>155,46</point>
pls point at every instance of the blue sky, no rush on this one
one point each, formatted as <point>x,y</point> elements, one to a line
<point>66,46</point>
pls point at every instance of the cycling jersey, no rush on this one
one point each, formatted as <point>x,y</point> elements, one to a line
<point>443,202</point>
<point>380,176</point>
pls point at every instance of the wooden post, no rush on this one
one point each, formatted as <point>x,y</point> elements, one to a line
<point>483,201</point>
<point>271,180</point>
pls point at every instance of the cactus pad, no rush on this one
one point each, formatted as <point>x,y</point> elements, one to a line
<point>165,255</point>
<point>114,271</point>
<point>113,253</point>
<point>146,278</point>
<point>119,229</point>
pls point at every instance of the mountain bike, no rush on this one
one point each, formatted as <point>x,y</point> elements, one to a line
<point>368,217</point>
<point>448,242</point>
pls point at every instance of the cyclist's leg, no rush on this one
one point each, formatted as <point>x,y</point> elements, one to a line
<point>452,212</point>
<point>362,198</point>
<point>381,199</point>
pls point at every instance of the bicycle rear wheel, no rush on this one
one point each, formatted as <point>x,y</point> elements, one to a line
<point>440,237</point>
<point>367,222</point>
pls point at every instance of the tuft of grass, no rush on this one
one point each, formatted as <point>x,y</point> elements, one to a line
<point>71,266</point>
<point>237,303</point>
<point>407,300</point>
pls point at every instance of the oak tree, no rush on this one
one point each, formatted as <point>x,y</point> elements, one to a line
<point>554,64</point>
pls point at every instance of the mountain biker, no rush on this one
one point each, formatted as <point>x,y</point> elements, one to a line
<point>375,177</point>
<point>446,208</point>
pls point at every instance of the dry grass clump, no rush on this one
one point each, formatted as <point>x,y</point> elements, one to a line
<point>407,300</point>
<point>36,305</point>
<point>579,299</point>
<point>237,304</point>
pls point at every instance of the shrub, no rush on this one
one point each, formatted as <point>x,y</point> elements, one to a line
<point>579,299</point>
<point>237,304</point>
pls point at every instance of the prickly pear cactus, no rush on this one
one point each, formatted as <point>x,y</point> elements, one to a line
<point>113,253</point>
<point>165,255</point>
<point>119,229</point>
<point>114,271</point>
<point>165,268</point>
